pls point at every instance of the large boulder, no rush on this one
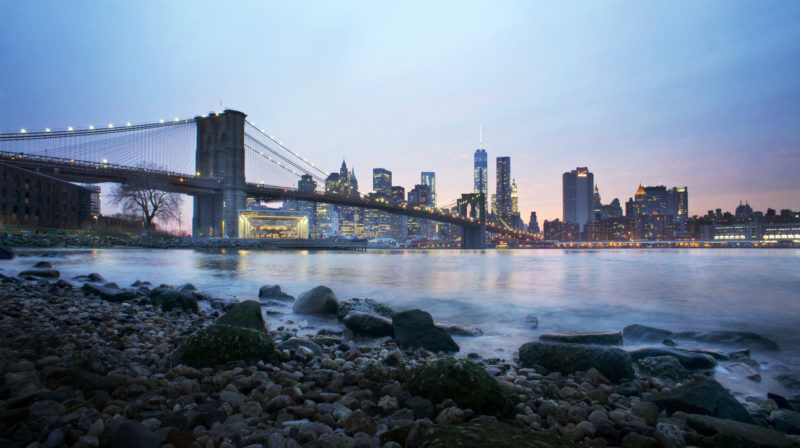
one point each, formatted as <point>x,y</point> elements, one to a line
<point>614,363</point>
<point>736,338</point>
<point>643,333</point>
<point>690,360</point>
<point>664,367</point>
<point>169,299</point>
<point>486,432</point>
<point>414,329</point>
<point>731,433</point>
<point>132,434</point>
<point>108,293</point>
<point>464,382</point>
<point>245,314</point>
<point>604,338</point>
<point>320,300</point>
<point>219,344</point>
<point>368,324</point>
<point>365,306</point>
<point>704,396</point>
<point>267,292</point>
<point>40,273</point>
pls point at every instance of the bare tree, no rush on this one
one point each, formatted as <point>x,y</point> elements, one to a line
<point>141,197</point>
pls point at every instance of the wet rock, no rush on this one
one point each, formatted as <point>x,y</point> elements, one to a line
<point>94,277</point>
<point>6,253</point>
<point>422,407</point>
<point>218,344</point>
<point>274,292</point>
<point>744,371</point>
<point>169,299</point>
<point>460,329</point>
<point>602,338</point>
<point>790,381</point>
<point>466,383</point>
<point>690,360</point>
<point>450,416</point>
<point>614,363</point>
<point>644,333</point>
<point>40,273</point>
<point>107,293</point>
<point>704,396</point>
<point>131,434</point>
<point>414,329</point>
<point>368,324</point>
<point>320,300</point>
<point>532,321</point>
<point>368,306</point>
<point>487,432</point>
<point>634,440</point>
<point>737,338</point>
<point>43,264</point>
<point>669,435</point>
<point>664,367</point>
<point>295,343</point>
<point>730,433</point>
<point>785,420</point>
<point>245,314</point>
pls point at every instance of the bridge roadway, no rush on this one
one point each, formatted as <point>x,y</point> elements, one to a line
<point>97,172</point>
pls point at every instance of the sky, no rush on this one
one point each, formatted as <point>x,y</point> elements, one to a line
<point>677,93</point>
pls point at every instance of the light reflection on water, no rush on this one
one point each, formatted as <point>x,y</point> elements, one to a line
<point>569,290</point>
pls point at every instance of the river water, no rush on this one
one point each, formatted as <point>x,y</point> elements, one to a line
<point>754,290</point>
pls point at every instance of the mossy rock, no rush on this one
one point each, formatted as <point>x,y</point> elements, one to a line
<point>464,382</point>
<point>488,432</point>
<point>169,299</point>
<point>219,344</point>
<point>244,314</point>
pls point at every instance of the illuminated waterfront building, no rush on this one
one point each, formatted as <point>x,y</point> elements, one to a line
<point>578,200</point>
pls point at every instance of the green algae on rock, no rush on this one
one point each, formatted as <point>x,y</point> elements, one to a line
<point>464,382</point>
<point>485,432</point>
<point>219,344</point>
<point>245,314</point>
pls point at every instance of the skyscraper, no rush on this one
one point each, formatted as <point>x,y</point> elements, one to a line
<point>429,179</point>
<point>514,197</point>
<point>382,182</point>
<point>578,197</point>
<point>503,187</point>
<point>481,172</point>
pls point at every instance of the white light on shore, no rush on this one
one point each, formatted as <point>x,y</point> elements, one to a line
<point>69,128</point>
<point>91,127</point>
<point>22,131</point>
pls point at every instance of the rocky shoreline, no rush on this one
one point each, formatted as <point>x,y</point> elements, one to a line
<point>84,363</point>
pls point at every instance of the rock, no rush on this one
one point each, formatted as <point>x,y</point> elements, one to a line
<point>368,324</point>
<point>414,329</point>
<point>187,287</point>
<point>607,338</point>
<point>100,360</point>
<point>744,371</point>
<point>487,432</point>
<point>320,300</point>
<point>644,333</point>
<point>131,434</point>
<point>169,299</point>
<point>647,410</point>
<point>737,338</point>
<point>730,433</point>
<point>532,321</point>
<point>785,420</point>
<point>93,277</point>
<point>6,253</point>
<point>704,396</point>
<point>614,363</point>
<point>218,344</point>
<point>106,293</point>
<point>664,367</point>
<point>423,408</point>
<point>466,383</point>
<point>295,343</point>
<point>369,306</point>
<point>41,273</point>
<point>460,329</point>
<point>450,416</point>
<point>690,360</point>
<point>790,381</point>
<point>245,314</point>
<point>43,264</point>
<point>634,440</point>
<point>274,292</point>
<point>669,435</point>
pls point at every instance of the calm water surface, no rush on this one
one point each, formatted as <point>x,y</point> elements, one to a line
<point>569,291</point>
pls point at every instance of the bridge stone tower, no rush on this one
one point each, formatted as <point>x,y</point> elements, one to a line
<point>220,155</point>
<point>473,205</point>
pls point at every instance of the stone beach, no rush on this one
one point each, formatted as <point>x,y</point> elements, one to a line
<point>85,363</point>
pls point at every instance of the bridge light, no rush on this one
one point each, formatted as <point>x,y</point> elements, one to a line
<point>160,121</point>
<point>128,123</point>
<point>198,173</point>
<point>91,127</point>
<point>46,129</point>
<point>176,119</point>
<point>22,131</point>
<point>105,160</point>
<point>110,126</point>
<point>69,128</point>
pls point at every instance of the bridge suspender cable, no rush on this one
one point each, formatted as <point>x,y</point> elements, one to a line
<point>282,157</point>
<point>294,154</point>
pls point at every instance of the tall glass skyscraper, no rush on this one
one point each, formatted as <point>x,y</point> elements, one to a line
<point>481,172</point>
<point>578,188</point>
<point>503,187</point>
<point>429,179</point>
<point>382,182</point>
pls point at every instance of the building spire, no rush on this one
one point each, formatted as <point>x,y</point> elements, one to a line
<point>481,137</point>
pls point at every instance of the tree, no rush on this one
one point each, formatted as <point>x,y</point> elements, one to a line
<point>141,197</point>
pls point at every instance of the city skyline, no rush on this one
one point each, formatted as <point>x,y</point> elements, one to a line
<point>663,93</point>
